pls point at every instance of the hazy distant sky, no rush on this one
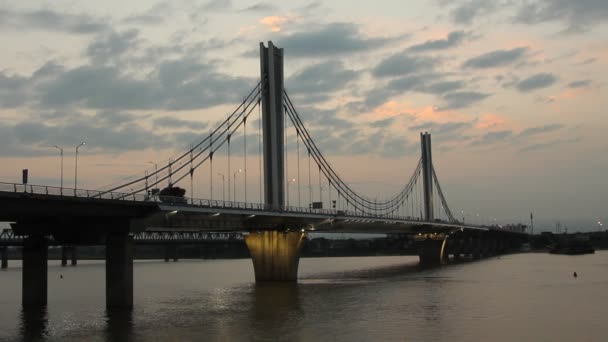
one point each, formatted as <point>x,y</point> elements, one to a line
<point>513,92</point>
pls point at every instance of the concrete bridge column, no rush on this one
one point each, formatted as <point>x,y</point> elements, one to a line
<point>64,255</point>
<point>4,256</point>
<point>429,251</point>
<point>74,259</point>
<point>275,254</point>
<point>456,248</point>
<point>171,253</point>
<point>68,252</point>
<point>476,246</point>
<point>119,270</point>
<point>34,273</point>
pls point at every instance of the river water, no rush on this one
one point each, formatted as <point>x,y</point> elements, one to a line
<point>521,297</point>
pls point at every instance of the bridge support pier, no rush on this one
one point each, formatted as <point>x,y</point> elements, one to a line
<point>64,255</point>
<point>119,270</point>
<point>429,252</point>
<point>68,252</point>
<point>171,253</point>
<point>275,254</point>
<point>4,257</point>
<point>34,273</point>
<point>476,247</point>
<point>74,259</point>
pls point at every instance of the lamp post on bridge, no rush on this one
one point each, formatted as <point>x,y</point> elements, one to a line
<point>61,154</point>
<point>155,173</point>
<point>76,167</point>
<point>462,212</point>
<point>289,182</point>
<point>234,183</point>
<point>223,186</point>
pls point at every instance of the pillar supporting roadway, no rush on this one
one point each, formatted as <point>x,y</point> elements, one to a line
<point>275,254</point>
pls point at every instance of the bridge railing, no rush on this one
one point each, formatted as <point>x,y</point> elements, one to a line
<point>203,203</point>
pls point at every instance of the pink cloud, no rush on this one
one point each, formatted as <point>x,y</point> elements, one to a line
<point>275,22</point>
<point>490,121</point>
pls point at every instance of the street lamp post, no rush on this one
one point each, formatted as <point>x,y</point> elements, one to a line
<point>61,154</point>
<point>223,186</point>
<point>76,167</point>
<point>289,182</point>
<point>462,212</point>
<point>155,173</point>
<point>234,183</point>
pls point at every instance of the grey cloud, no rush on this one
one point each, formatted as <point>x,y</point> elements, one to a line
<point>154,16</point>
<point>462,99</point>
<point>170,122</point>
<point>114,118</point>
<point>217,4</point>
<point>260,7</point>
<point>430,83</point>
<point>403,64</point>
<point>35,138</point>
<point>579,84</point>
<point>453,39</point>
<point>445,86</point>
<point>320,78</point>
<point>13,90</point>
<point>441,128</point>
<point>174,85</point>
<point>52,21</point>
<point>554,143</point>
<point>496,58</point>
<point>326,118</point>
<point>578,16</point>
<point>382,123</point>
<point>464,12</point>
<point>444,132</point>
<point>111,46</point>
<point>329,40</point>
<point>540,129</point>
<point>536,82</point>
<point>492,137</point>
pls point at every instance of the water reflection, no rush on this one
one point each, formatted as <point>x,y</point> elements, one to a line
<point>119,325</point>
<point>275,310</point>
<point>33,325</point>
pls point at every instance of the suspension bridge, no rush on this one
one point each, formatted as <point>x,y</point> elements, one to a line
<point>275,221</point>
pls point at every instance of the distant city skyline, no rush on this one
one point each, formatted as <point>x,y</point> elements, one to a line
<point>511,92</point>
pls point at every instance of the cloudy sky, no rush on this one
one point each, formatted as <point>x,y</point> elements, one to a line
<point>510,90</point>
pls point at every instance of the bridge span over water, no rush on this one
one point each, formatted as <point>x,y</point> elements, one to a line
<point>275,230</point>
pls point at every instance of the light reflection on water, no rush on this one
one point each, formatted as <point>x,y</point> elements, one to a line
<point>518,297</point>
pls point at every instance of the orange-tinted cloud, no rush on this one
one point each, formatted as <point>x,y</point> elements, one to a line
<point>274,22</point>
<point>490,121</point>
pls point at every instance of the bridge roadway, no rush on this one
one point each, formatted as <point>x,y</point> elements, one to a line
<point>55,209</point>
<point>43,215</point>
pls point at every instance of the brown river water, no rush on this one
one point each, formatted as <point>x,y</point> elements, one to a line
<point>519,297</point>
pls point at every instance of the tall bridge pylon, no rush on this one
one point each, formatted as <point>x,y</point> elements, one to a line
<point>271,67</point>
<point>427,175</point>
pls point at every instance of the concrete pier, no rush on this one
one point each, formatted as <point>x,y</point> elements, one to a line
<point>119,270</point>
<point>275,254</point>
<point>74,258</point>
<point>4,257</point>
<point>68,252</point>
<point>171,253</point>
<point>64,255</point>
<point>35,266</point>
<point>429,251</point>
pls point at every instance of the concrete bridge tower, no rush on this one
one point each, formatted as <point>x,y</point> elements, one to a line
<point>271,66</point>
<point>275,253</point>
<point>427,175</point>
